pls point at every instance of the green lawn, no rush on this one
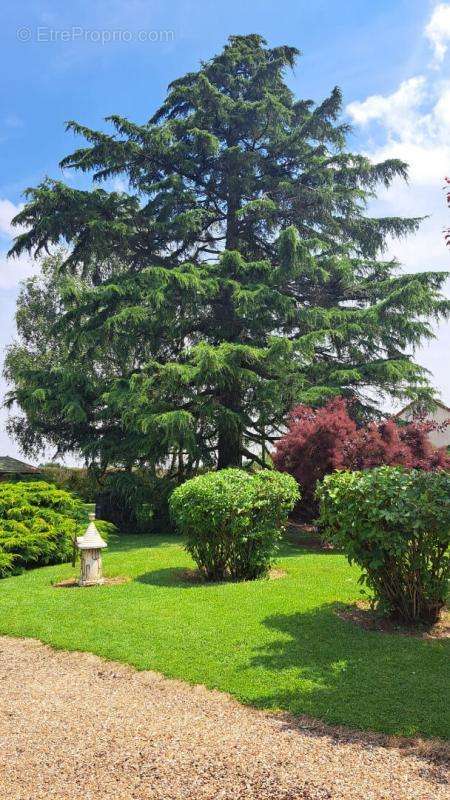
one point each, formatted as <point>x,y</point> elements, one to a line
<point>274,644</point>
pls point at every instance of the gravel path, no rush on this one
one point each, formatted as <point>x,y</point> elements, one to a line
<point>75,726</point>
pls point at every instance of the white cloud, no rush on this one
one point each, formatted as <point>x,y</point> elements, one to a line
<point>15,270</point>
<point>390,109</point>
<point>12,270</point>
<point>119,185</point>
<point>413,124</point>
<point>8,210</point>
<point>438,31</point>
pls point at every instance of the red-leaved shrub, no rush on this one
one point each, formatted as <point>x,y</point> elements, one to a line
<point>321,440</point>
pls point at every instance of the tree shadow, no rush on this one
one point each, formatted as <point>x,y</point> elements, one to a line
<point>188,578</point>
<point>173,577</point>
<point>433,750</point>
<point>361,678</point>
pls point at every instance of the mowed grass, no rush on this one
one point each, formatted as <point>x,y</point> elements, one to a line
<point>275,644</point>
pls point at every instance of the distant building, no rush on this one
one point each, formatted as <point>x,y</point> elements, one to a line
<point>13,468</point>
<point>440,415</point>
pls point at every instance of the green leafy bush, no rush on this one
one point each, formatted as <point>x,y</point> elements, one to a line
<point>135,501</point>
<point>232,520</point>
<point>37,525</point>
<point>395,524</point>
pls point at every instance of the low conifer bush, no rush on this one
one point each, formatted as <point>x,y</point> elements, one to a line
<point>38,524</point>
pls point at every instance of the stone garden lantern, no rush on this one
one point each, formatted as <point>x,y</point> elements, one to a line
<point>90,546</point>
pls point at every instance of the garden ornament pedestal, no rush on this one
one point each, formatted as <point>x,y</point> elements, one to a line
<point>90,546</point>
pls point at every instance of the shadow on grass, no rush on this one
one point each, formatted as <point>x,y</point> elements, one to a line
<point>366,679</point>
<point>173,577</point>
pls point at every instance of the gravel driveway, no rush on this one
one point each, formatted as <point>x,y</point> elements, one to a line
<point>75,726</point>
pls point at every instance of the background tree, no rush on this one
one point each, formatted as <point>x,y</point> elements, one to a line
<point>246,275</point>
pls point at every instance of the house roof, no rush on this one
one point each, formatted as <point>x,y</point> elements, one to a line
<point>13,466</point>
<point>414,402</point>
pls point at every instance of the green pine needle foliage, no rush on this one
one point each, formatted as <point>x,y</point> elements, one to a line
<point>38,524</point>
<point>238,274</point>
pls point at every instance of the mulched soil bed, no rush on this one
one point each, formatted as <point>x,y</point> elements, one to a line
<point>196,576</point>
<point>72,583</point>
<point>75,727</point>
<point>361,614</point>
<point>188,576</point>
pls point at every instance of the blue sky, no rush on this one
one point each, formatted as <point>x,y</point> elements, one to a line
<point>86,60</point>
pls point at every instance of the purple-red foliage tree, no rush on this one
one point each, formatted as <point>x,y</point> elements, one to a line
<point>322,440</point>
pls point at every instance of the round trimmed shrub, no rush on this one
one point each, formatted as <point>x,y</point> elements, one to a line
<point>232,520</point>
<point>38,523</point>
<point>395,524</point>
